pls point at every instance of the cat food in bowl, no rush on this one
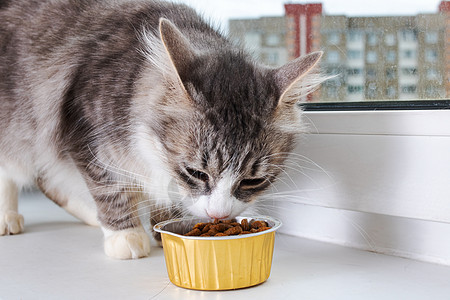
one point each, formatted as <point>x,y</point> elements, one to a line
<point>218,262</point>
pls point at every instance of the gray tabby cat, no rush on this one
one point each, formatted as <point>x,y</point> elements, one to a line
<point>105,105</point>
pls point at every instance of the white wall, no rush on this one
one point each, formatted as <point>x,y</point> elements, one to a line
<point>378,181</point>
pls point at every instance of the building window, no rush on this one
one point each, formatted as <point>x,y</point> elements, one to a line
<point>409,71</point>
<point>354,36</point>
<point>409,53</point>
<point>273,39</point>
<point>389,39</point>
<point>431,37</point>
<point>354,89</point>
<point>408,35</point>
<point>371,57</point>
<point>333,57</point>
<point>431,55</point>
<point>372,39</point>
<point>409,89</point>
<point>354,72</point>
<point>354,54</point>
<point>432,74</point>
<point>391,92</point>
<point>332,92</point>
<point>333,38</point>
<point>391,55</point>
<point>371,73</point>
<point>391,73</point>
<point>272,58</point>
<point>372,90</point>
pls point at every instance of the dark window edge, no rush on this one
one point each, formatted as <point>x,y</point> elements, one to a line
<point>377,105</point>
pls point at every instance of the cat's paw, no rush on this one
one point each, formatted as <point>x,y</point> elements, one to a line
<point>127,244</point>
<point>11,223</point>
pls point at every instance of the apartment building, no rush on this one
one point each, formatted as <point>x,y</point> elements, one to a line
<point>374,58</point>
<point>265,38</point>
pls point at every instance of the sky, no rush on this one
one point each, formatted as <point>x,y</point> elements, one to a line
<point>220,11</point>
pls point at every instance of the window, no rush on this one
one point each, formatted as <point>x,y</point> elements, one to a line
<point>432,74</point>
<point>371,73</point>
<point>391,73</point>
<point>391,92</point>
<point>431,55</point>
<point>372,90</point>
<point>389,39</point>
<point>273,40</point>
<point>408,35</point>
<point>372,39</point>
<point>354,72</point>
<point>272,58</point>
<point>432,92</point>
<point>409,53</point>
<point>333,38</point>
<point>354,54</point>
<point>391,55</point>
<point>355,36</point>
<point>409,89</point>
<point>403,53</point>
<point>333,57</point>
<point>409,71</point>
<point>355,89</point>
<point>431,37</point>
<point>371,57</point>
<point>332,92</point>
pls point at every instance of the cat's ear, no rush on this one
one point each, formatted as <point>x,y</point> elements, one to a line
<point>177,46</point>
<point>298,78</point>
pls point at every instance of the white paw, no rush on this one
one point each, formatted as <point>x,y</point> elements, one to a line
<point>11,223</point>
<point>126,244</point>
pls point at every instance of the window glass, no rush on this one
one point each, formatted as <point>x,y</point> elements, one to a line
<point>431,37</point>
<point>371,57</point>
<point>383,51</point>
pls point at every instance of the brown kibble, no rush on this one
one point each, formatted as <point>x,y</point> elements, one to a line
<point>262,228</point>
<point>200,225</point>
<point>213,231</point>
<point>244,224</point>
<point>233,230</point>
<point>222,227</point>
<point>258,224</point>
<point>206,228</point>
<point>194,232</point>
<point>227,227</point>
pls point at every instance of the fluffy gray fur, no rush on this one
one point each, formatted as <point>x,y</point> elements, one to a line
<point>106,105</point>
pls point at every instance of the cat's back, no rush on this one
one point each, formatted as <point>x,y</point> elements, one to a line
<point>50,48</point>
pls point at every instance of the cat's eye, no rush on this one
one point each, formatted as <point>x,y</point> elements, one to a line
<point>198,174</point>
<point>251,183</point>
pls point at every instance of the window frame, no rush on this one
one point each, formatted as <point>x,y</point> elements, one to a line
<point>377,105</point>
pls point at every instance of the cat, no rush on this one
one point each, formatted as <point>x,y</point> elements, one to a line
<point>113,106</point>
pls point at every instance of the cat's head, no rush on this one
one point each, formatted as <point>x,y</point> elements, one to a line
<point>225,123</point>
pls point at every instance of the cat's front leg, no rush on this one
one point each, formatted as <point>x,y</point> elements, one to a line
<point>11,222</point>
<point>125,238</point>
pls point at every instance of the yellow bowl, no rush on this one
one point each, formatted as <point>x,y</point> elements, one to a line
<point>216,263</point>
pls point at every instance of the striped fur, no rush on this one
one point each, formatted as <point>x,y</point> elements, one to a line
<point>117,107</point>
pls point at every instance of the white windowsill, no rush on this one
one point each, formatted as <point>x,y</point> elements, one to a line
<point>57,257</point>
